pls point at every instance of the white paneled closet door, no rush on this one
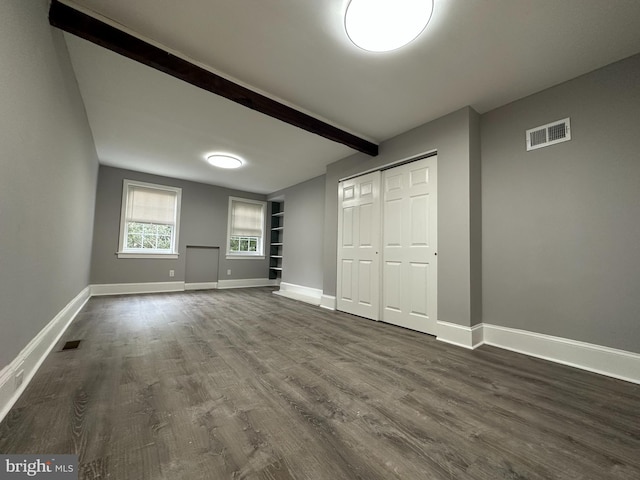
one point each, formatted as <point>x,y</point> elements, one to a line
<point>358,282</point>
<point>409,265</point>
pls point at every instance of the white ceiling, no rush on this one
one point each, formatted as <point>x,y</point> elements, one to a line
<point>482,53</point>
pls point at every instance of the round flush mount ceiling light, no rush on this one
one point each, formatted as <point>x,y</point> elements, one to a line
<point>384,25</point>
<point>224,160</point>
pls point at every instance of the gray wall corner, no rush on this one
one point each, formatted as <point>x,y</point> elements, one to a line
<point>203,223</point>
<point>304,233</point>
<point>48,184</point>
<point>561,237</point>
<point>475,216</point>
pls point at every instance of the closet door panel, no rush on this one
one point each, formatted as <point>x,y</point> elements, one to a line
<point>358,282</point>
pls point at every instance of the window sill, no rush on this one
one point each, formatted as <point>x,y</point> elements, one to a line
<point>245,257</point>
<point>164,256</point>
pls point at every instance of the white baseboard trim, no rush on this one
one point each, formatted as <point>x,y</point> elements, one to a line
<point>163,287</point>
<point>132,288</point>
<point>587,356</point>
<point>299,292</point>
<point>32,356</point>
<point>201,286</point>
<point>247,282</point>
<point>460,335</point>
<point>608,361</point>
<point>328,302</point>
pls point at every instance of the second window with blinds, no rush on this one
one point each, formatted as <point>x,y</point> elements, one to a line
<point>245,232</point>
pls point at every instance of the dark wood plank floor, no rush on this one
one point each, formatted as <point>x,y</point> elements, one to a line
<point>243,384</point>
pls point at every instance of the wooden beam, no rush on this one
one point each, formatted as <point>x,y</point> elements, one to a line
<point>84,26</point>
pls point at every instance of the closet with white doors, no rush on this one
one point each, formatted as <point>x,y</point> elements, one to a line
<point>387,245</point>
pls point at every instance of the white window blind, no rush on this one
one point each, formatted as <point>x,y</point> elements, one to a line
<point>147,205</point>
<point>246,219</point>
<point>149,220</point>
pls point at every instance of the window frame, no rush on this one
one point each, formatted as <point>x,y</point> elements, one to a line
<point>259,253</point>
<point>140,253</point>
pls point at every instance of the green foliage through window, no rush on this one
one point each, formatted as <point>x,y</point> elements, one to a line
<point>243,244</point>
<point>149,236</point>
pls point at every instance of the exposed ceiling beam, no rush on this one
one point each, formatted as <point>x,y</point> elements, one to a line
<point>84,26</point>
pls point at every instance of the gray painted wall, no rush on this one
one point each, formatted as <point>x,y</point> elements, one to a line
<point>561,225</point>
<point>202,265</point>
<point>48,168</point>
<point>203,222</point>
<point>303,233</point>
<point>475,216</point>
<point>452,137</point>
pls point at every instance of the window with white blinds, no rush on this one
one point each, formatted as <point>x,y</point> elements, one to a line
<point>246,228</point>
<point>149,220</point>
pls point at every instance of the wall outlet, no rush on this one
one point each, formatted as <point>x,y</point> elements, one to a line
<point>229,272</point>
<point>172,273</point>
<point>19,378</point>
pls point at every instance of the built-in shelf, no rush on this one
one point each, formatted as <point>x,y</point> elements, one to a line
<point>277,240</point>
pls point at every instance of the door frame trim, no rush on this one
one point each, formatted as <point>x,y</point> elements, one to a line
<point>395,163</point>
<point>381,168</point>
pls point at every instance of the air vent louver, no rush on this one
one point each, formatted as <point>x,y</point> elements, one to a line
<point>549,134</point>
<point>71,345</point>
<point>538,137</point>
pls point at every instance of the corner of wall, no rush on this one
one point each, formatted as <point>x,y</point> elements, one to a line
<point>475,217</point>
<point>26,364</point>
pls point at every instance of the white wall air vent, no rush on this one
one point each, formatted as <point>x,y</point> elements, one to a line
<point>549,134</point>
